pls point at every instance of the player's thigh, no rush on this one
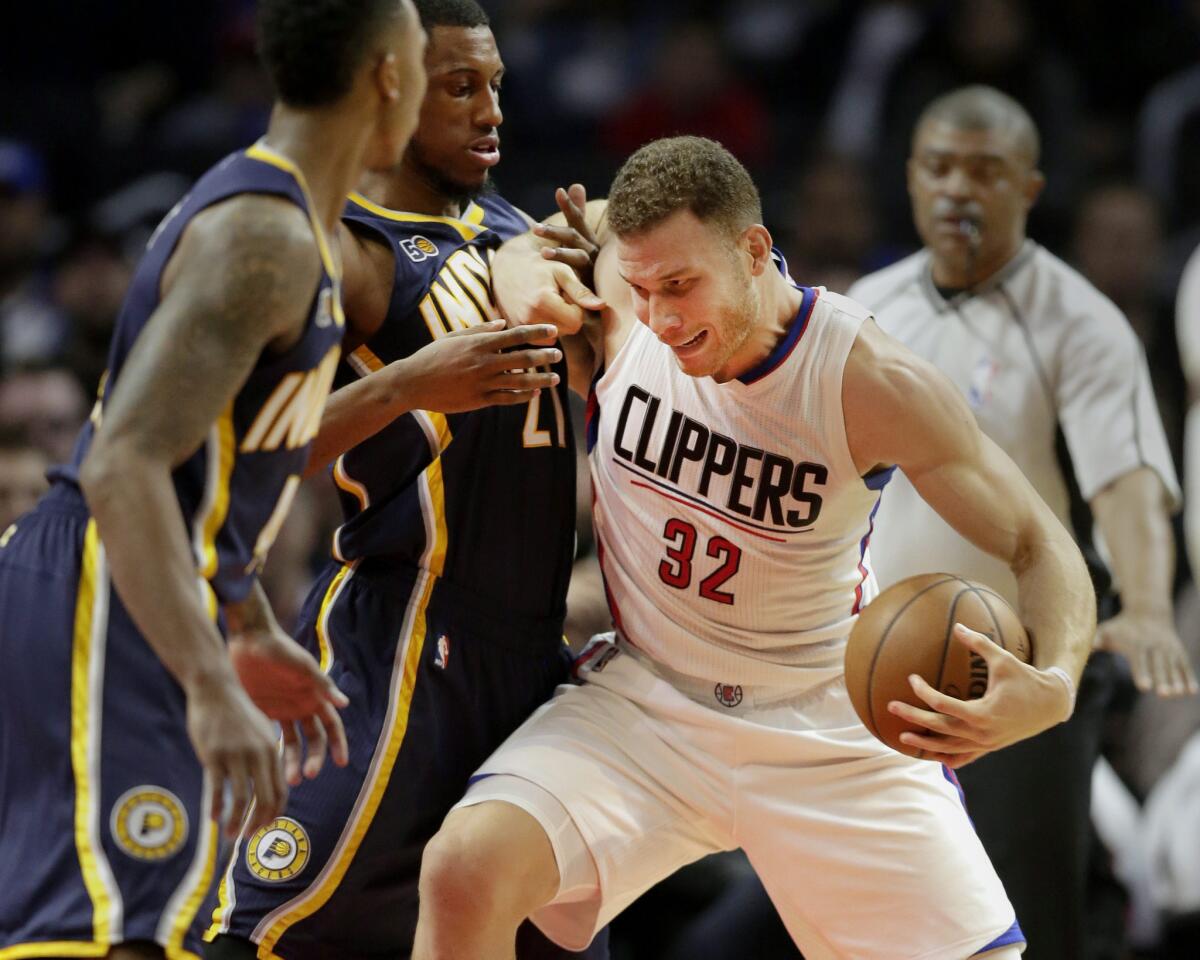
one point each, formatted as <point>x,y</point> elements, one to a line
<point>615,792</point>
<point>874,857</point>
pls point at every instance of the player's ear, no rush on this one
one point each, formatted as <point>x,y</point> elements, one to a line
<point>386,77</point>
<point>756,241</point>
<point>1033,187</point>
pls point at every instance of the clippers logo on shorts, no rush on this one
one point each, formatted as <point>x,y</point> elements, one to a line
<point>419,248</point>
<point>149,823</point>
<point>278,851</point>
<point>728,695</point>
<point>443,652</point>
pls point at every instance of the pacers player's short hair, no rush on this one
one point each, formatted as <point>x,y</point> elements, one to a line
<point>451,13</point>
<point>682,173</point>
<point>313,48</point>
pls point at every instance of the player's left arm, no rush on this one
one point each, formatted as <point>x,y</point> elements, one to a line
<point>1132,513</point>
<point>901,410</point>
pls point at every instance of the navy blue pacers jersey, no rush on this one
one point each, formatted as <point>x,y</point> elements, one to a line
<point>105,826</point>
<point>235,490</point>
<point>485,500</point>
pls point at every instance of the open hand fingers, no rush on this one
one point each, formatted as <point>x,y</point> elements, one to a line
<point>519,336</point>
<point>316,743</point>
<point>574,258</point>
<point>292,752</point>
<point>339,750</point>
<point>524,381</point>
<point>566,237</point>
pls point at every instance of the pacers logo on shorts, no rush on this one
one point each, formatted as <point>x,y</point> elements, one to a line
<point>278,851</point>
<point>149,823</point>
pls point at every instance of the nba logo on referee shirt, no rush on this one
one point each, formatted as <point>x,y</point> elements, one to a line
<point>443,652</point>
<point>728,694</point>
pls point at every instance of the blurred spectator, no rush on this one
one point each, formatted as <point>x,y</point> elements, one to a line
<point>884,33</point>
<point>1117,243</point>
<point>30,327</point>
<point>22,475</point>
<point>49,404</point>
<point>88,289</point>
<point>993,42</point>
<point>694,91</point>
<point>828,232</point>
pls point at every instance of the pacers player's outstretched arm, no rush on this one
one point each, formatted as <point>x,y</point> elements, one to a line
<point>241,280</point>
<point>901,410</point>
<point>462,371</point>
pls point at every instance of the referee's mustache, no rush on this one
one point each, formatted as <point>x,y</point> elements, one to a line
<point>946,209</point>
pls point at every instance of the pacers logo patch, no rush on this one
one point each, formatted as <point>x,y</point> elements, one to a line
<point>419,248</point>
<point>278,851</point>
<point>149,823</point>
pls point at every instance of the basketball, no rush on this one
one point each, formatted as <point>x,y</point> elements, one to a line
<point>907,629</point>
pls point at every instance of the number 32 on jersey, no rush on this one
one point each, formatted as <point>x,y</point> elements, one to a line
<point>676,569</point>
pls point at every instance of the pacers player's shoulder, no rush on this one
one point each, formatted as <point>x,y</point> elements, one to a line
<point>876,289</point>
<point>255,233</point>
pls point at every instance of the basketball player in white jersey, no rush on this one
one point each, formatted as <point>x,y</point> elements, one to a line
<point>1055,377</point>
<point>1187,328</point>
<point>742,428</point>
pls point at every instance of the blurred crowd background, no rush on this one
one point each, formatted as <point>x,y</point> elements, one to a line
<point>109,110</point>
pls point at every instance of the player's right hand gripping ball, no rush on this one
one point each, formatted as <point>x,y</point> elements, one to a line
<point>907,629</point>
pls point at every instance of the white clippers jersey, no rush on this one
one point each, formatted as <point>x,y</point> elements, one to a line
<point>732,523</point>
<point>1055,376</point>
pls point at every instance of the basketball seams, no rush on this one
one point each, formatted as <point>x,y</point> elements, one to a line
<point>874,726</point>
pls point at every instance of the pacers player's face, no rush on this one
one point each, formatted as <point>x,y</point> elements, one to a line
<point>457,140</point>
<point>691,285</point>
<point>971,192</point>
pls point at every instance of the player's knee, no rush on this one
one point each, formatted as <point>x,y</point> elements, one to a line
<point>487,862</point>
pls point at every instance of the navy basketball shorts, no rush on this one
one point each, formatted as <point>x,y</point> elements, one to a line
<point>104,824</point>
<point>437,679</point>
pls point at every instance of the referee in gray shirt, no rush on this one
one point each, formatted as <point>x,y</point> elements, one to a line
<point>1056,376</point>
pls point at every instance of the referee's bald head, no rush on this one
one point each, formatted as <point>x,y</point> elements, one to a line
<point>984,108</point>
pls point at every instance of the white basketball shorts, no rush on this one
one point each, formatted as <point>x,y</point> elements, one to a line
<point>866,853</point>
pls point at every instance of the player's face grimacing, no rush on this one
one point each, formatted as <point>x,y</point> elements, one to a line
<point>971,192</point>
<point>691,285</point>
<point>457,140</point>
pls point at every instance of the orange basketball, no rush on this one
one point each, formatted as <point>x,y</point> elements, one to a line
<point>907,630</point>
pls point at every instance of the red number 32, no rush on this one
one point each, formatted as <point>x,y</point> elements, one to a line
<point>676,570</point>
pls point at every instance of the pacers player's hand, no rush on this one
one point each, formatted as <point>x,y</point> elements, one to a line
<point>236,745</point>
<point>575,244</point>
<point>287,684</point>
<point>481,366</point>
<point>1020,701</point>
<point>1155,653</point>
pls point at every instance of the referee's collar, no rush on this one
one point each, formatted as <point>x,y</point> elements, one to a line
<point>1022,257</point>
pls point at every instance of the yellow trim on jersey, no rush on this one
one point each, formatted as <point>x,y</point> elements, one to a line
<point>260,151</point>
<point>218,508</point>
<point>346,482</point>
<point>191,906</point>
<point>56,948</point>
<point>474,214</point>
<point>467,230</point>
<point>82,744</point>
<point>368,359</point>
<point>323,644</point>
<point>220,913</point>
<point>317,896</point>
